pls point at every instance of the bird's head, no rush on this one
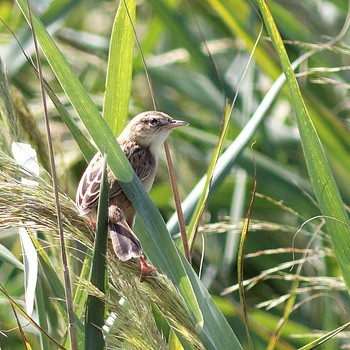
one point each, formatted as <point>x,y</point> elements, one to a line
<point>150,129</point>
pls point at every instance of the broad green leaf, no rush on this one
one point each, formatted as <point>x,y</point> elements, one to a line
<point>119,74</point>
<point>212,332</point>
<point>174,343</point>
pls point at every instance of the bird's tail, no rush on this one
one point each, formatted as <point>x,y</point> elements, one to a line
<point>125,243</point>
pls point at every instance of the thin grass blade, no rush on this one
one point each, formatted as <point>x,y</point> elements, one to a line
<point>28,318</point>
<point>327,193</point>
<point>193,227</point>
<point>233,20</point>
<point>316,343</point>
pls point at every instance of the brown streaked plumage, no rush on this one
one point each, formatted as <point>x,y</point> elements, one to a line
<point>140,141</point>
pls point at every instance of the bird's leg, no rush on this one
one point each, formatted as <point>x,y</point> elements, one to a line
<point>145,268</point>
<point>92,222</point>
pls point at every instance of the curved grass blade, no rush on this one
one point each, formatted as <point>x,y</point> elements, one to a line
<point>26,156</point>
<point>86,147</point>
<point>84,144</point>
<point>28,318</point>
<point>317,342</point>
<point>327,194</point>
<point>70,84</point>
<point>66,271</point>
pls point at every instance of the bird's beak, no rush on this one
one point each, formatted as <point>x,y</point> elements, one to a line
<point>176,123</point>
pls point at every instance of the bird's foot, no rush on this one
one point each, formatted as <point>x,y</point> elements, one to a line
<point>145,269</point>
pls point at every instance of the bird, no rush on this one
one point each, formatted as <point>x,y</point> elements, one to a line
<point>141,141</point>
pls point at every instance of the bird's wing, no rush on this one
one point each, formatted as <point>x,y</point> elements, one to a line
<point>89,187</point>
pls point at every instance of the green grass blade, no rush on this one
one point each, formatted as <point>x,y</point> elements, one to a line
<point>327,194</point>
<point>193,227</point>
<point>28,318</point>
<point>42,314</point>
<point>120,61</point>
<point>213,334</point>
<point>95,307</point>
<point>80,295</point>
<point>84,144</point>
<point>8,256</point>
<point>319,341</point>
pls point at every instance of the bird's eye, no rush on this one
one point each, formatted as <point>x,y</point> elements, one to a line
<point>153,121</point>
